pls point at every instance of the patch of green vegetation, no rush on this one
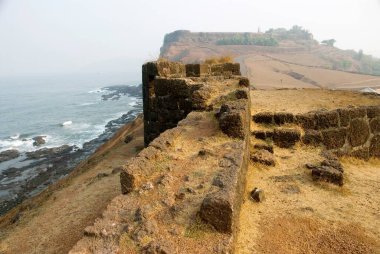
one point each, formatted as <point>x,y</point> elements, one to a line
<point>248,39</point>
<point>345,65</point>
<point>198,229</point>
<point>295,33</point>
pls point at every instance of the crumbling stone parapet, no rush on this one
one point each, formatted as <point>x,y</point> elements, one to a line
<point>233,118</point>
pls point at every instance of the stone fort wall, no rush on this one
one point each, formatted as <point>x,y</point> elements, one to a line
<point>192,172</point>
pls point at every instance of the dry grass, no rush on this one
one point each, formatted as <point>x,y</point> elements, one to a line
<point>305,100</point>
<point>301,234</point>
<point>219,60</point>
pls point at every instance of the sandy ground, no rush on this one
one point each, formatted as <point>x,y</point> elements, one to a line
<point>302,216</point>
<point>269,73</point>
<point>56,223</point>
<point>305,100</point>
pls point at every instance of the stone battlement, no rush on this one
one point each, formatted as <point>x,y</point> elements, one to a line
<point>172,90</point>
<point>190,178</point>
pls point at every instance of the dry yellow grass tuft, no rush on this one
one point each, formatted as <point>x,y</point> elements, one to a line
<point>219,60</point>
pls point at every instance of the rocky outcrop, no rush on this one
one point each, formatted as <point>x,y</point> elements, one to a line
<point>9,155</point>
<point>39,140</point>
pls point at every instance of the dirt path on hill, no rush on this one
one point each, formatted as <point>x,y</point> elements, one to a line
<point>54,221</point>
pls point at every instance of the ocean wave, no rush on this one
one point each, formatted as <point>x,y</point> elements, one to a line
<point>16,136</point>
<point>132,104</point>
<point>22,145</point>
<point>67,123</point>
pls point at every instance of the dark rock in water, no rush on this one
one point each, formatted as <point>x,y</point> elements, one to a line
<point>117,91</point>
<point>49,152</point>
<point>9,155</point>
<point>39,140</point>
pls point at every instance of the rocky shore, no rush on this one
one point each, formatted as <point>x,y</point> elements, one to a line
<point>23,175</point>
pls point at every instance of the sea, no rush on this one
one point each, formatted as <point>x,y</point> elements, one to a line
<point>74,114</point>
<point>65,110</point>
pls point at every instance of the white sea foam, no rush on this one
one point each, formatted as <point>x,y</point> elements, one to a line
<point>98,90</point>
<point>133,103</point>
<point>16,136</point>
<point>24,145</point>
<point>67,123</point>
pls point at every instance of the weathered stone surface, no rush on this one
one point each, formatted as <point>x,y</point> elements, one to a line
<point>178,87</point>
<point>259,134</point>
<point>375,146</point>
<point>233,118</point>
<point>283,117</point>
<point>334,138</point>
<point>359,112</point>
<point>197,70</point>
<point>225,69</point>
<point>286,138</point>
<point>200,97</point>
<point>344,117</point>
<point>362,153</point>
<point>307,121</point>
<point>312,137</point>
<point>263,118</point>
<point>263,146</point>
<point>263,157</point>
<point>241,94</point>
<point>328,174</point>
<point>170,69</point>
<point>257,195</point>
<point>216,210</point>
<point>358,132</point>
<point>373,111</point>
<point>333,163</point>
<point>375,125</point>
<point>327,119</point>
<point>127,182</point>
<point>9,155</point>
<point>244,82</point>
<point>155,247</point>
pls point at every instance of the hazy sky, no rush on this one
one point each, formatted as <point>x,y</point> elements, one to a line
<point>59,36</point>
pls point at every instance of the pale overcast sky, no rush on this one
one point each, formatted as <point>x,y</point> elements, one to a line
<point>59,36</point>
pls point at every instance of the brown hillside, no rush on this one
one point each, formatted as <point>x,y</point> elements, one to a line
<point>294,63</point>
